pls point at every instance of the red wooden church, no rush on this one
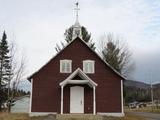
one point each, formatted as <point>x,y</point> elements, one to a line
<point>76,80</point>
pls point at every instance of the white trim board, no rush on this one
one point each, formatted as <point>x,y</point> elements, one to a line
<point>111,114</point>
<point>122,108</point>
<point>54,113</point>
<point>30,109</point>
<point>41,113</point>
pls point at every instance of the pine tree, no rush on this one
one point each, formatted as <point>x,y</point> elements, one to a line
<point>5,67</point>
<point>111,55</point>
<point>85,36</point>
<point>69,37</point>
<point>117,55</point>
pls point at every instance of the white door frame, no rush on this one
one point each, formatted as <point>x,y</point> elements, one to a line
<point>94,99</point>
<point>85,81</point>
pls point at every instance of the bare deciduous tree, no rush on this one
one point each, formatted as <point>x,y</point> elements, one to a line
<point>18,68</point>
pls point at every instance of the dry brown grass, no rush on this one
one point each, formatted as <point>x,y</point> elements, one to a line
<point>17,116</point>
<point>127,117</point>
<point>145,109</point>
<point>6,116</point>
<point>20,116</point>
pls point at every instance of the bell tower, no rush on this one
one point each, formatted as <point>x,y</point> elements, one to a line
<point>77,28</point>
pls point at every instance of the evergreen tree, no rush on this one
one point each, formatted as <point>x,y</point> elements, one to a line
<point>68,34</point>
<point>5,67</point>
<point>117,55</point>
<point>85,36</point>
<point>69,37</point>
<point>111,55</point>
<point>136,94</point>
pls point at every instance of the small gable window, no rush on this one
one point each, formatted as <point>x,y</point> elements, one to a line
<point>88,66</point>
<point>65,66</point>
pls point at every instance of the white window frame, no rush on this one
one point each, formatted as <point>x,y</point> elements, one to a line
<point>65,61</point>
<point>92,62</point>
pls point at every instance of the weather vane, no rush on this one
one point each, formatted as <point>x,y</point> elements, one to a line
<point>77,9</point>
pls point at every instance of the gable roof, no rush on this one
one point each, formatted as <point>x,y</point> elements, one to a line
<point>29,78</point>
<point>85,79</point>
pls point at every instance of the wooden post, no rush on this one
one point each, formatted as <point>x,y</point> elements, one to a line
<point>94,100</point>
<point>61,99</point>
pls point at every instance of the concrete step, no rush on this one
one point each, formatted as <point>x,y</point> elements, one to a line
<point>78,117</point>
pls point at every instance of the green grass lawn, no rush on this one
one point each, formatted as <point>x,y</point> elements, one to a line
<point>6,116</point>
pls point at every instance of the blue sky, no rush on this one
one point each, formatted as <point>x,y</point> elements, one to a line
<point>37,25</point>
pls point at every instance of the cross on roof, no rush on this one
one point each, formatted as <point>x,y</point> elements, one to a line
<point>77,9</point>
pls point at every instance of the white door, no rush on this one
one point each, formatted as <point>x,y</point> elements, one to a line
<point>77,99</point>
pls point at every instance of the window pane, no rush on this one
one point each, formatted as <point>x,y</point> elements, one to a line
<point>65,66</point>
<point>88,66</point>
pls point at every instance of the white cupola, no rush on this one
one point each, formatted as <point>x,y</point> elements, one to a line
<point>77,28</point>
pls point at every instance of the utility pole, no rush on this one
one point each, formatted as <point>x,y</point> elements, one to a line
<point>151,85</point>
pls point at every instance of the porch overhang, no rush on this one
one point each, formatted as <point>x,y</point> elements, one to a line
<point>85,79</point>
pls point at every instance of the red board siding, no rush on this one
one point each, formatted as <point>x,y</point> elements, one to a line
<point>66,99</point>
<point>88,99</point>
<point>46,89</point>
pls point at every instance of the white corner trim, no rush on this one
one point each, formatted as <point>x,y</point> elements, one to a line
<point>61,99</point>
<point>94,100</point>
<point>41,113</point>
<point>122,106</point>
<point>30,107</point>
<point>111,114</point>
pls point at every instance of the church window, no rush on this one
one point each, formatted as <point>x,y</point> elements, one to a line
<point>65,66</point>
<point>88,66</point>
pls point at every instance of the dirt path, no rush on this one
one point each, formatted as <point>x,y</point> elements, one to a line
<point>148,116</point>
